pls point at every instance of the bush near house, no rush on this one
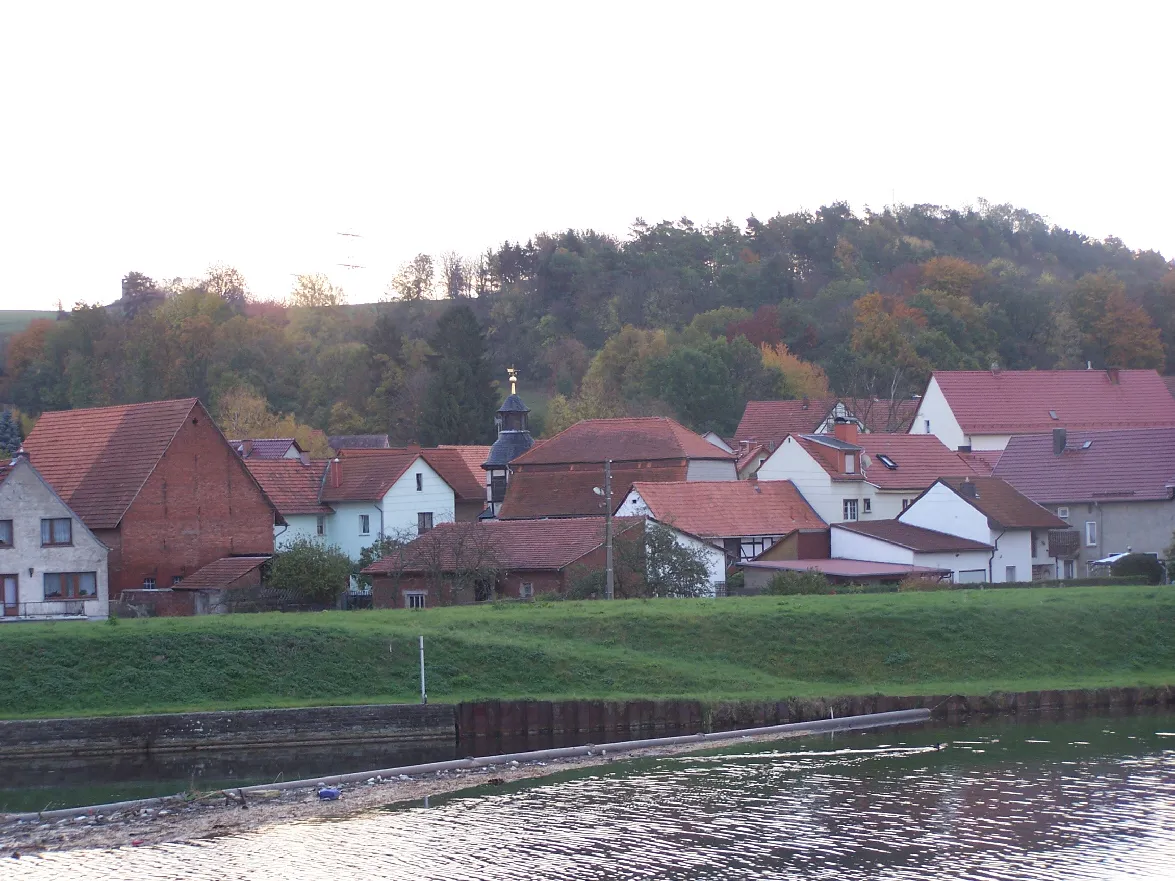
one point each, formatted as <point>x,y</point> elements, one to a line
<point>1144,565</point>
<point>312,571</point>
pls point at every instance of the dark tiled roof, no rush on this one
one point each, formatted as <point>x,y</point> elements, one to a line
<point>508,447</point>
<point>222,572</point>
<point>769,422</point>
<point>290,485</point>
<point>264,447</point>
<point>839,568</point>
<point>511,545</point>
<point>982,461</point>
<point>727,508</point>
<point>1019,401</point>
<point>513,404</point>
<point>453,465</point>
<point>1003,505</point>
<point>567,492</point>
<point>1116,466</point>
<point>623,440</point>
<point>359,442</point>
<point>365,475</point>
<point>915,538</point>
<point>98,459</point>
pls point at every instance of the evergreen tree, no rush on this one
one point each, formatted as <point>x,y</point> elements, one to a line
<point>462,399</point>
<point>10,439</point>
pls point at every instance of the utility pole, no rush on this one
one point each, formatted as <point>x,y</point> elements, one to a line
<point>610,586</point>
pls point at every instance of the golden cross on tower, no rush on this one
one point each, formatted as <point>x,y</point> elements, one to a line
<point>513,374</point>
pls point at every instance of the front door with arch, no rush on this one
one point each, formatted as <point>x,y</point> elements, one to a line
<point>11,597</point>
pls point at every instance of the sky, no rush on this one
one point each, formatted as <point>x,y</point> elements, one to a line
<point>164,138</point>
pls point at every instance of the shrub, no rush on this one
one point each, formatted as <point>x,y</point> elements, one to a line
<point>313,571</point>
<point>1145,565</point>
<point>791,583</point>
<point>914,583</point>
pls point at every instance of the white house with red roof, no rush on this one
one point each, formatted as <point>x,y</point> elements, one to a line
<point>850,476</point>
<point>294,487</point>
<point>982,409</point>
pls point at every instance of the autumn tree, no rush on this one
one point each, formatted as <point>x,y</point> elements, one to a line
<point>415,281</point>
<point>226,282</point>
<point>952,275</point>
<point>802,379</point>
<point>1127,336</point>
<point>314,290</point>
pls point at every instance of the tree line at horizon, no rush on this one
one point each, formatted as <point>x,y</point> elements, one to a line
<point>677,319</point>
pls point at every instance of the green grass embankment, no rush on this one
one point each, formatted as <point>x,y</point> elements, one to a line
<point>751,648</point>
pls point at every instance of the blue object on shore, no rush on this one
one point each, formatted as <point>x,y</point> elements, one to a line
<point>328,793</point>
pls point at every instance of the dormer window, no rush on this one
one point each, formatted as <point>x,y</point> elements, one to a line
<point>850,463</point>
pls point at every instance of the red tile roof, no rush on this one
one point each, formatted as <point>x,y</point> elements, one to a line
<point>222,572</point>
<point>365,475</point>
<point>915,538</point>
<point>98,459</point>
<point>290,485</point>
<point>728,508</point>
<point>770,422</point>
<point>918,459</point>
<point>622,440</point>
<point>1019,401</point>
<point>568,492</point>
<point>747,456</point>
<point>509,545</point>
<point>456,467</point>
<point>1003,505</point>
<point>1116,466</point>
<point>982,461</point>
<point>838,568</point>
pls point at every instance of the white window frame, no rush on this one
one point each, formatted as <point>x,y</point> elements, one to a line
<point>850,463</point>
<point>966,576</point>
<point>1009,574</point>
<point>848,506</point>
<point>320,524</point>
<point>926,422</point>
<point>421,528</point>
<point>365,524</point>
<point>420,481</point>
<point>866,506</point>
<point>1070,569</point>
<point>148,583</point>
<point>415,599</point>
<point>906,503</point>
<point>1091,533</point>
<point>1063,513</point>
<point>526,590</point>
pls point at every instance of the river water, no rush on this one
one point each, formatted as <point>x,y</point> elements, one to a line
<point>1090,799</point>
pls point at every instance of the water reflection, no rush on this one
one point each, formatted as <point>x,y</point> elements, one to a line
<point>1055,801</point>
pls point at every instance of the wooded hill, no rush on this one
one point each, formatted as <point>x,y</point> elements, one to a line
<point>675,318</point>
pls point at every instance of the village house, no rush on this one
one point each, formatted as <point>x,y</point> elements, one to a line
<point>974,410</point>
<point>892,541</point>
<point>560,476</point>
<point>1115,489</point>
<point>51,564</point>
<point>744,518</point>
<point>294,487</point>
<point>158,484</point>
<point>269,448</point>
<point>461,563</point>
<point>991,512</point>
<point>851,476</point>
<point>768,422</point>
<point>758,574</point>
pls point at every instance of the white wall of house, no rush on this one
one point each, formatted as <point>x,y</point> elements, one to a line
<point>935,417</point>
<point>942,510</point>
<point>26,499</point>
<point>300,526</point>
<point>715,557</point>
<point>790,461</point>
<point>396,512</point>
<point>714,438</point>
<point>852,546</point>
<point>711,469</point>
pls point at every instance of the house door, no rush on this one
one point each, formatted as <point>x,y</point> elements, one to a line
<point>11,596</point>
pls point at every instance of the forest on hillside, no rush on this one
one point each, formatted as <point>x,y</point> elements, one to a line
<point>675,318</point>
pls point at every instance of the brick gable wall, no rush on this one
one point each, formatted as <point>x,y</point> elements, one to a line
<point>199,505</point>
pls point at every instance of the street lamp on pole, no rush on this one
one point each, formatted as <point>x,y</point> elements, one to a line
<point>606,492</point>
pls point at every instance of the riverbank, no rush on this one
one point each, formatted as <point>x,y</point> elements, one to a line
<point>731,649</point>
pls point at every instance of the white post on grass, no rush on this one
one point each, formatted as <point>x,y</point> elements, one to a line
<point>423,693</point>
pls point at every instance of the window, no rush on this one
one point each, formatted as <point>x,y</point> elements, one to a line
<point>850,463</point>
<point>176,579</point>
<point>419,482</point>
<point>58,531</point>
<point>1063,513</point>
<point>1091,533</point>
<point>1070,568</point>
<point>867,506</point>
<point>926,425</point>
<point>320,524</point>
<point>887,462</point>
<point>5,533</point>
<point>423,522</point>
<point>1009,573</point>
<point>972,576</point>
<point>1032,540</point>
<point>365,524</point>
<point>70,585</point>
<point>148,584</point>
<point>849,509</point>
<point>526,590</point>
<point>9,595</point>
<point>749,548</point>
<point>906,503</point>
<point>497,487</point>
<point>415,599</point>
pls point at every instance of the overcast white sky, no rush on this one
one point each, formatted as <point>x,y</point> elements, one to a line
<point>162,138</point>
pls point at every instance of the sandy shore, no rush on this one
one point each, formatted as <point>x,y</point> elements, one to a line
<point>220,813</point>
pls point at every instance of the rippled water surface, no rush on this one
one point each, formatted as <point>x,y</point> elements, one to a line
<point>1066,800</point>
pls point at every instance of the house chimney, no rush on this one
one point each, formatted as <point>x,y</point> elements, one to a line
<point>1060,438</point>
<point>969,490</point>
<point>845,430</point>
<point>335,467</point>
<point>1112,373</point>
<point>805,403</point>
